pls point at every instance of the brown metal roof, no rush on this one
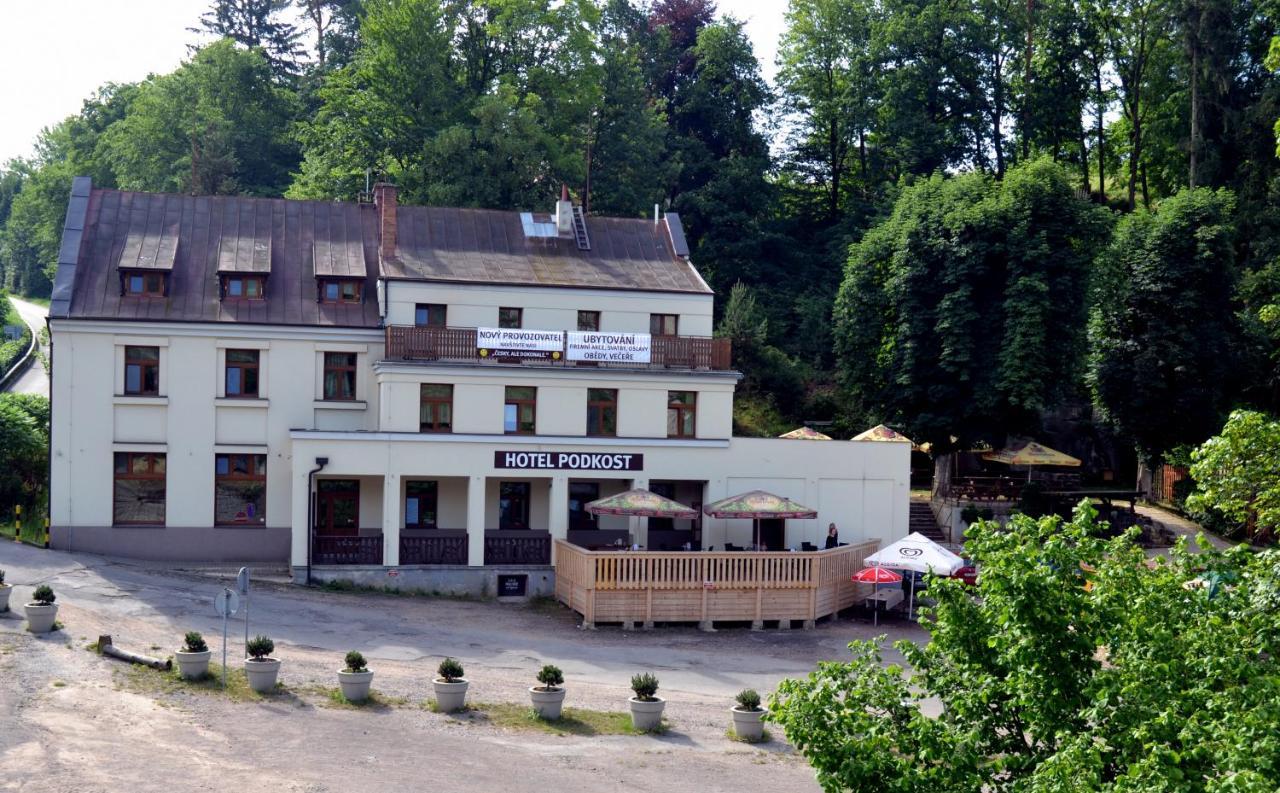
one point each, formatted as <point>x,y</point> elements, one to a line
<point>199,238</point>
<point>220,234</point>
<point>490,246</point>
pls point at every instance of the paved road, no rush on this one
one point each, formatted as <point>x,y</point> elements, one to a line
<point>35,380</point>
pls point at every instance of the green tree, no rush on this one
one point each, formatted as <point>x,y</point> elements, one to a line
<point>1163,325</point>
<point>1045,680</point>
<point>24,445</point>
<point>1237,473</point>
<point>257,24</point>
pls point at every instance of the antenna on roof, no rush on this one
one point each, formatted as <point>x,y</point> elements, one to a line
<point>367,196</point>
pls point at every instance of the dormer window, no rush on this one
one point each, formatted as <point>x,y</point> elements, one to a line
<point>244,287</point>
<point>341,291</point>
<point>144,284</point>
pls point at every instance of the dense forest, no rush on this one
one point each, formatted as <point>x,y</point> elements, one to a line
<point>951,215</point>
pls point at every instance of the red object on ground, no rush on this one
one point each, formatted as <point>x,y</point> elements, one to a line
<point>877,575</point>
<point>967,574</point>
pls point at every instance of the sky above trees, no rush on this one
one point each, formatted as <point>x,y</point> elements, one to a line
<point>151,36</point>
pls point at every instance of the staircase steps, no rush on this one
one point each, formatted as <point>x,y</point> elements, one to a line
<point>920,519</point>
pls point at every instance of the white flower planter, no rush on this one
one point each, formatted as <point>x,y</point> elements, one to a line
<point>262,674</point>
<point>646,716</point>
<point>355,685</point>
<point>547,703</point>
<point>450,696</point>
<point>192,666</point>
<point>5,590</point>
<point>747,724</point>
<point>40,618</point>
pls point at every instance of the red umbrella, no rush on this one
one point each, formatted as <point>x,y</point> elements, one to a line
<point>877,575</point>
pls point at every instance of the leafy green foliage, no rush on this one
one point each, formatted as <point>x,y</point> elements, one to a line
<point>645,686</point>
<point>1163,324</point>
<point>193,642</point>
<point>44,595</point>
<point>748,699</point>
<point>12,351</point>
<point>1237,473</point>
<point>24,448</point>
<point>1049,678</point>
<point>550,677</point>
<point>257,24</point>
<point>450,670</point>
<point>354,661</point>
<point>259,647</point>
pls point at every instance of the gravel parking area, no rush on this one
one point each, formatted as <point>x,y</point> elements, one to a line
<point>75,721</point>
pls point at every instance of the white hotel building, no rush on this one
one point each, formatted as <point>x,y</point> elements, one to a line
<point>358,389</point>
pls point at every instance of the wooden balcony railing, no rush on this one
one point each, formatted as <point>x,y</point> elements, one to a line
<point>439,546</point>
<point>516,546</point>
<point>347,550</point>
<point>414,343</point>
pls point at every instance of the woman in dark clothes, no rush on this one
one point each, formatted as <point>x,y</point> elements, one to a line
<point>833,537</point>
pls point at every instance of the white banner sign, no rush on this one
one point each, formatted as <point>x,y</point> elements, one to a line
<point>609,347</point>
<point>517,342</point>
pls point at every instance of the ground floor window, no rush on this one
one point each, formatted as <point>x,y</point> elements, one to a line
<point>240,489</point>
<point>338,506</point>
<point>513,505</point>
<point>580,495</point>
<point>420,499</point>
<point>139,495</point>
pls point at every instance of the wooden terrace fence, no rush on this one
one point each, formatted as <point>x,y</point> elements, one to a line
<point>708,587</point>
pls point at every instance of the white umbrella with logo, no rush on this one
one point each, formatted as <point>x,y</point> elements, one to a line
<point>918,553</point>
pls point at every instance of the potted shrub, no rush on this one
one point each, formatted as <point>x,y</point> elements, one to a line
<point>451,686</point>
<point>42,612</point>
<point>193,658</point>
<point>260,668</point>
<point>548,698</point>
<point>356,678</point>
<point>5,589</point>
<point>646,705</point>
<point>747,715</point>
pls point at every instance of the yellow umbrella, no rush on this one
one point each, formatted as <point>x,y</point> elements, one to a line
<point>805,434</point>
<point>881,433</point>
<point>1032,454</point>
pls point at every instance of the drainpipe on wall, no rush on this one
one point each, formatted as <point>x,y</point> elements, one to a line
<point>321,462</point>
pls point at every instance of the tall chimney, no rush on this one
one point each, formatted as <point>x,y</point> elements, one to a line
<point>564,212</point>
<point>384,198</point>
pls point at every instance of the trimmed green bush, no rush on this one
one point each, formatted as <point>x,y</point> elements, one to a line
<point>355,662</point>
<point>646,687</point>
<point>193,642</point>
<point>748,699</point>
<point>450,670</point>
<point>44,595</point>
<point>259,647</point>
<point>550,677</point>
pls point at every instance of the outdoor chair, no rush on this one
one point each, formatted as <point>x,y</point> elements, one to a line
<point>728,546</point>
<point>808,546</point>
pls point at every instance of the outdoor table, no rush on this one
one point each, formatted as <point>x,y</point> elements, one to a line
<point>886,598</point>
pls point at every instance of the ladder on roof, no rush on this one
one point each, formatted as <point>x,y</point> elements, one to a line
<point>580,230</point>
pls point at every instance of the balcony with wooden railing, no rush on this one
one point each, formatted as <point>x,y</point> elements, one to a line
<point>707,587</point>
<point>458,345</point>
<point>434,546</point>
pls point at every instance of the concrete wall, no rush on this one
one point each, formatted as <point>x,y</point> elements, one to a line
<point>549,308</point>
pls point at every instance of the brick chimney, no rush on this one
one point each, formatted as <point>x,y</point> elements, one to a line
<point>384,198</point>
<point>564,212</point>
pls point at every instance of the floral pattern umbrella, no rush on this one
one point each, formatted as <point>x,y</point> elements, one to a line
<point>881,433</point>
<point>1031,454</point>
<point>759,504</point>
<point>640,504</point>
<point>805,434</point>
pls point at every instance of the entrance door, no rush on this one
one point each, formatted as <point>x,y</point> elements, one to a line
<point>773,534</point>
<point>337,507</point>
<point>580,495</point>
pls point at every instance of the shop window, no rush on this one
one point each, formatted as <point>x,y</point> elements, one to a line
<point>664,324</point>
<point>436,412</point>
<point>513,505</point>
<point>240,489</point>
<point>340,376</point>
<point>580,495</point>
<point>430,315</point>
<point>602,412</point>
<point>139,492</point>
<point>338,507</point>
<point>589,321</point>
<point>420,502</point>
<point>145,284</point>
<point>142,371</point>
<point>242,374</point>
<point>511,317</point>
<point>520,412</point>
<point>681,414</point>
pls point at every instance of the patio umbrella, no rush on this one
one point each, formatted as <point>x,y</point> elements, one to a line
<point>641,504</point>
<point>877,576</point>
<point>881,433</point>
<point>805,434</point>
<point>757,504</point>
<point>1032,454</point>
<point>920,554</point>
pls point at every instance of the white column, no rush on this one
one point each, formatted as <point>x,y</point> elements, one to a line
<point>558,512</point>
<point>639,527</point>
<point>475,521</point>
<point>391,520</point>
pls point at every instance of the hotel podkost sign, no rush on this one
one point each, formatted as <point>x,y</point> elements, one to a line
<point>571,461</point>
